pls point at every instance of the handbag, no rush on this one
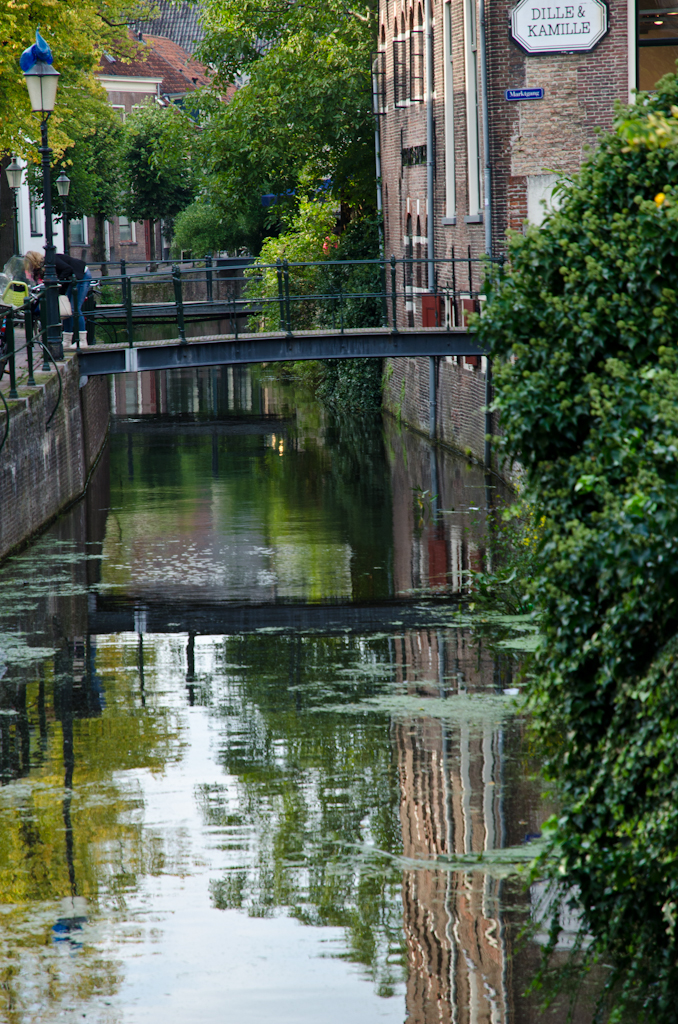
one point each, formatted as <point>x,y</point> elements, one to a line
<point>65,308</point>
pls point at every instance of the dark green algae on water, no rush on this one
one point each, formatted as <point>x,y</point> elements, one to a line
<point>305,820</point>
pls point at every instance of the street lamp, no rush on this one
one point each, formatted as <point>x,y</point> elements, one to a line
<point>41,82</point>
<point>15,173</point>
<point>63,183</point>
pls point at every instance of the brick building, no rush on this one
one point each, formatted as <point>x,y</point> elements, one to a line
<point>487,124</point>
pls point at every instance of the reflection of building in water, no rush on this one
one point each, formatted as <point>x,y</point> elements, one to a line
<point>439,514</point>
<point>452,778</point>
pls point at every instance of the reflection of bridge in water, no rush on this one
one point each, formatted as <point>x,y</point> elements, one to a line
<point>111,615</point>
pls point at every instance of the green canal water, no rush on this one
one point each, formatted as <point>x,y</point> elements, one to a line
<point>256,764</point>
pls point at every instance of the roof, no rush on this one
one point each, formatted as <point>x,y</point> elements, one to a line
<point>179,22</point>
<point>160,58</point>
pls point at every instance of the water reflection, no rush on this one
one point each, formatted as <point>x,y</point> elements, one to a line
<point>178,803</point>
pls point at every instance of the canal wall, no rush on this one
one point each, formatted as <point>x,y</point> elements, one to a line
<point>460,404</point>
<point>45,467</point>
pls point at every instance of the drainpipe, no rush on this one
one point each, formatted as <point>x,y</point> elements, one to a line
<point>487,183</point>
<point>487,216</point>
<point>430,149</point>
<point>377,154</point>
<point>429,144</point>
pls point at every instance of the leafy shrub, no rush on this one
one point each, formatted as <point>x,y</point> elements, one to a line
<point>583,325</point>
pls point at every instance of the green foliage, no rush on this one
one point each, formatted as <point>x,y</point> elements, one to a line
<point>309,238</point>
<point>161,180</point>
<point>77,35</point>
<point>94,163</point>
<point>344,383</point>
<point>202,228</point>
<point>303,114</point>
<point>583,327</point>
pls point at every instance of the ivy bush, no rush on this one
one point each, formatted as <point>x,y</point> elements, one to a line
<point>583,325</point>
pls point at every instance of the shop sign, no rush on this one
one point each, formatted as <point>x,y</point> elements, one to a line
<point>561,28</point>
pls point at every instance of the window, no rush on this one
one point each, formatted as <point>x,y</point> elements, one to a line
<point>379,81</point>
<point>127,232</point>
<point>448,81</point>
<point>77,231</point>
<point>657,41</point>
<point>471,72</point>
<point>399,65</point>
<point>120,110</point>
<point>417,58</point>
<point>35,216</point>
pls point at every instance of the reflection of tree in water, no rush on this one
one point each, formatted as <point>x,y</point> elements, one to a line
<point>311,789</point>
<point>68,835</point>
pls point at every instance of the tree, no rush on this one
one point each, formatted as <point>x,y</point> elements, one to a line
<point>583,326</point>
<point>77,35</point>
<point>161,181</point>
<point>94,163</point>
<point>202,228</point>
<point>304,110</point>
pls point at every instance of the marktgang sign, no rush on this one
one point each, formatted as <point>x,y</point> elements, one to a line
<point>562,28</point>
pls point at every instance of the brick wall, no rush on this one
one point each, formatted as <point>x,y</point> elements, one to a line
<point>529,141</point>
<point>42,470</point>
<point>460,415</point>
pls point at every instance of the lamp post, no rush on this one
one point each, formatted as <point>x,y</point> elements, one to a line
<point>41,82</point>
<point>63,183</point>
<point>15,173</point>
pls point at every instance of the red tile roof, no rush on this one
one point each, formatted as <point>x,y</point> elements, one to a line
<point>160,58</point>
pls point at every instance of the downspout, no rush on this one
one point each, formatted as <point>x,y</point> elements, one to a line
<point>377,154</point>
<point>487,215</point>
<point>430,149</point>
<point>430,145</point>
<point>487,182</point>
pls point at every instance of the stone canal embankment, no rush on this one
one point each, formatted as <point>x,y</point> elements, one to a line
<point>55,437</point>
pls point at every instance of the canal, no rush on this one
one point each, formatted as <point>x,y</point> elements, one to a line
<point>252,748</point>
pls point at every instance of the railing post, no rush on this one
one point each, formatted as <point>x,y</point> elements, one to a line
<point>129,319</point>
<point>208,276</point>
<point>179,303</point>
<point>394,314</point>
<point>278,268</point>
<point>28,323</point>
<point>454,316</point>
<point>341,308</point>
<point>43,331</point>
<point>75,312</point>
<point>123,283</point>
<point>234,316</point>
<point>384,304</point>
<point>286,280</point>
<point>13,393</point>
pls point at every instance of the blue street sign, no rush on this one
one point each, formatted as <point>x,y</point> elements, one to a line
<point>524,94</point>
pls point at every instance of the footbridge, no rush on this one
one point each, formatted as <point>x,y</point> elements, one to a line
<point>329,309</point>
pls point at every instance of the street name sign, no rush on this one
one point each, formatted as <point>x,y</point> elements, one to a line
<point>561,28</point>
<point>524,94</point>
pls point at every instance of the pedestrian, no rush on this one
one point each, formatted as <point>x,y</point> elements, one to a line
<point>66,268</point>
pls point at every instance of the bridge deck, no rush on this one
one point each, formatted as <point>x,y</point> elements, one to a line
<point>278,347</point>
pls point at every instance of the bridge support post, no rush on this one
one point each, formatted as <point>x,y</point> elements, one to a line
<point>127,298</point>
<point>179,303</point>
<point>208,276</point>
<point>488,414</point>
<point>286,280</point>
<point>13,393</point>
<point>394,315</point>
<point>28,323</point>
<point>432,396</point>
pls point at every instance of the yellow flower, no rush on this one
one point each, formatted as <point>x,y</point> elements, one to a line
<point>659,198</point>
